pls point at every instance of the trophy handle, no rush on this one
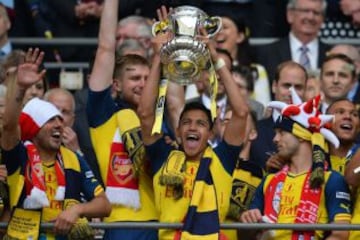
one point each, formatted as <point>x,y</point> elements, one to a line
<point>159,26</point>
<point>213,25</point>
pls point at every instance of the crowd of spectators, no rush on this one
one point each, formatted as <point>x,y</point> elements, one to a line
<point>270,148</point>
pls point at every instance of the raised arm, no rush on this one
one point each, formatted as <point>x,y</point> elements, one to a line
<point>102,72</point>
<point>235,129</point>
<point>146,108</point>
<point>20,80</point>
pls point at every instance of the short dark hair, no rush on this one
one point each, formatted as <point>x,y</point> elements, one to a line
<point>339,100</point>
<point>247,73</point>
<point>343,58</point>
<point>197,106</point>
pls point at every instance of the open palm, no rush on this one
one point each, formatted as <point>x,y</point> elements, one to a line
<point>28,72</point>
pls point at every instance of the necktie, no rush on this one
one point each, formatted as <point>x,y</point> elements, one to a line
<point>304,58</point>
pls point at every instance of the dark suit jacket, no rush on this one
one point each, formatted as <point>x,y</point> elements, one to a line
<point>263,145</point>
<point>271,55</point>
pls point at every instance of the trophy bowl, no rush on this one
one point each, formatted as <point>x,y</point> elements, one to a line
<point>184,56</point>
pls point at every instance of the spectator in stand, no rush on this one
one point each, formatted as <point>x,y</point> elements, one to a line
<point>14,59</point>
<point>337,78</point>
<point>67,18</point>
<point>302,44</point>
<point>234,37</point>
<point>352,8</point>
<point>243,77</point>
<point>5,24</point>
<point>340,20</point>
<point>354,54</point>
<point>312,85</point>
<point>135,27</point>
<point>288,74</point>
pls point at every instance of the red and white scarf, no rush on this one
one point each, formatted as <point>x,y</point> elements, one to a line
<point>306,211</point>
<point>122,185</point>
<point>35,183</point>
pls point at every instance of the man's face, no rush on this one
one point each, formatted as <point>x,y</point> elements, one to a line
<point>65,105</point>
<point>194,132</point>
<point>287,144</point>
<point>336,79</point>
<point>346,123</point>
<point>306,18</point>
<point>130,31</point>
<point>49,138</point>
<point>132,82</point>
<point>289,77</point>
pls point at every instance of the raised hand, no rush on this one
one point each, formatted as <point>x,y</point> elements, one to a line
<point>164,35</point>
<point>28,72</point>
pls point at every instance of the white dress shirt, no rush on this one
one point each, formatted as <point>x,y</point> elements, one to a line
<point>313,52</point>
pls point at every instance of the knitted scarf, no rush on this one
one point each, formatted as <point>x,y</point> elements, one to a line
<point>35,183</point>
<point>35,190</point>
<point>127,155</point>
<point>246,177</point>
<point>202,219</point>
<point>307,210</point>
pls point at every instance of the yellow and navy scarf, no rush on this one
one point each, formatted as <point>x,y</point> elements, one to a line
<point>246,177</point>
<point>202,219</point>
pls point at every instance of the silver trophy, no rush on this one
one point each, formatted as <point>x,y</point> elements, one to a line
<point>184,57</point>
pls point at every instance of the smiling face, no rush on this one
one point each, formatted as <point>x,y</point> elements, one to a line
<point>306,18</point>
<point>229,37</point>
<point>346,123</point>
<point>132,82</point>
<point>194,132</point>
<point>49,138</point>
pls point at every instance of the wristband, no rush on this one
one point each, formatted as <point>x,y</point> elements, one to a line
<point>79,152</point>
<point>219,64</point>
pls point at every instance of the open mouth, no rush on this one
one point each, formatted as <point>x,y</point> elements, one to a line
<point>56,135</point>
<point>192,141</point>
<point>192,137</point>
<point>346,126</point>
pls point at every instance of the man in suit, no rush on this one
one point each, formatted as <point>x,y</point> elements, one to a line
<point>302,44</point>
<point>288,74</point>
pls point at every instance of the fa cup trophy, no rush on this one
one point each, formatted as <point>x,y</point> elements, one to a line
<point>184,56</point>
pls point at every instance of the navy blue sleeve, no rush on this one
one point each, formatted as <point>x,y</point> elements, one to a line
<point>228,155</point>
<point>100,107</point>
<point>14,157</point>
<point>337,196</point>
<point>258,198</point>
<point>158,152</point>
<point>89,182</point>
